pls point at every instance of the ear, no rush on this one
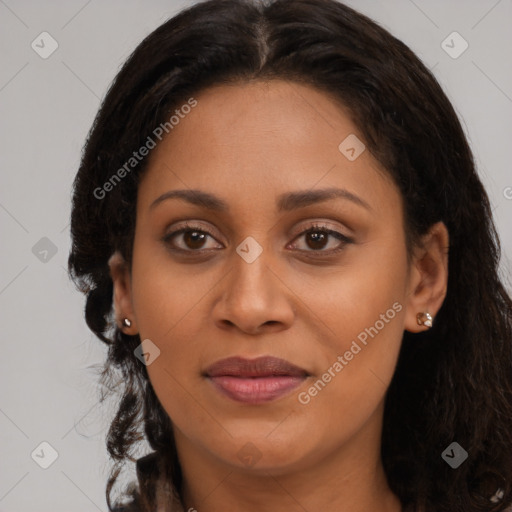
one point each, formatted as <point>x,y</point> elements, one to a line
<point>120,274</point>
<point>428,278</point>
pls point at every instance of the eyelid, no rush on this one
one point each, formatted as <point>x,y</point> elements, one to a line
<point>303,226</point>
<point>188,226</point>
<point>342,239</point>
<point>319,224</point>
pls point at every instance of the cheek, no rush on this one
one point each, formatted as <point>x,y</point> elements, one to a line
<point>169,317</point>
<point>167,314</point>
<point>371,279</point>
<point>357,364</point>
<point>362,307</point>
<point>164,295</point>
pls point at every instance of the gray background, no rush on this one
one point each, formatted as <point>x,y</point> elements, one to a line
<point>48,381</point>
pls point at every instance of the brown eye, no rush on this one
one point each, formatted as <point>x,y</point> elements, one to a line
<point>317,238</point>
<point>193,239</point>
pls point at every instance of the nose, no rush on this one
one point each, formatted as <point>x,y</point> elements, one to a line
<point>254,298</point>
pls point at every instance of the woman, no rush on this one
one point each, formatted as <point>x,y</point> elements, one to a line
<point>286,246</point>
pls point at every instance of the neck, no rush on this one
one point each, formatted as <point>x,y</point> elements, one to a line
<point>349,478</point>
<point>348,492</point>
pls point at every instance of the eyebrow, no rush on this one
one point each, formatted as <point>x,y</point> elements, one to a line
<point>285,202</point>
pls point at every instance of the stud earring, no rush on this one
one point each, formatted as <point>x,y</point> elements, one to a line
<point>127,322</point>
<point>424,319</point>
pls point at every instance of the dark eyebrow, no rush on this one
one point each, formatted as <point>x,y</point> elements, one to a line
<point>294,200</point>
<point>197,197</point>
<point>285,202</point>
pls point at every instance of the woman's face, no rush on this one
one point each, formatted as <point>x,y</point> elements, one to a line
<point>247,281</point>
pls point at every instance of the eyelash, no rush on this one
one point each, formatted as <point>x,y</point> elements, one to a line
<point>313,229</point>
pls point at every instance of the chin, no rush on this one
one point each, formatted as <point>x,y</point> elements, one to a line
<point>262,454</point>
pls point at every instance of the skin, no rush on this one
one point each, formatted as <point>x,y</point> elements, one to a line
<point>248,144</point>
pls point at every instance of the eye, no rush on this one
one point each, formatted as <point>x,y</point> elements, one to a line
<point>317,238</point>
<point>193,237</point>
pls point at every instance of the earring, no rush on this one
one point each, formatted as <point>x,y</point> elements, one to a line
<point>424,319</point>
<point>127,322</point>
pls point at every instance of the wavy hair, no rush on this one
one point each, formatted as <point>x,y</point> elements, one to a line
<point>453,382</point>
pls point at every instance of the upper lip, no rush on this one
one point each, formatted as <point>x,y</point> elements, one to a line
<point>264,366</point>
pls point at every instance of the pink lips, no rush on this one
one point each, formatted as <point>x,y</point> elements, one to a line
<point>255,380</point>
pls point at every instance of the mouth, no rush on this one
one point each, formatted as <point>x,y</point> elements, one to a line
<point>255,381</point>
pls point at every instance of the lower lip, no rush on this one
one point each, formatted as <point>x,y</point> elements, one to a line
<point>256,390</point>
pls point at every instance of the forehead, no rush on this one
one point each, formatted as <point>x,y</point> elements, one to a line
<point>263,139</point>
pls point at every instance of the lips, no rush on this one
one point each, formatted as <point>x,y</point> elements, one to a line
<point>265,366</point>
<point>255,380</point>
